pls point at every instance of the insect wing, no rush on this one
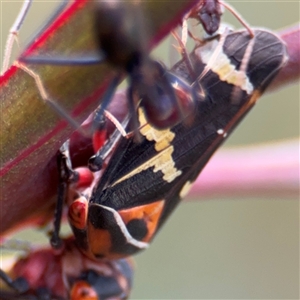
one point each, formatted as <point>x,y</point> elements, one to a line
<point>161,168</point>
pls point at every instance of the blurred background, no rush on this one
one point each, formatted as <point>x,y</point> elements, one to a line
<point>224,248</point>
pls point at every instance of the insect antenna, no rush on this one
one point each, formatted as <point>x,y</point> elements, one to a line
<point>56,107</point>
<point>238,17</point>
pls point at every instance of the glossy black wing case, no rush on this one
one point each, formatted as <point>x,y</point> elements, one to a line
<point>159,170</point>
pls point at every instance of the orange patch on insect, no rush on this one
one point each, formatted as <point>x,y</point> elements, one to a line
<point>149,213</point>
<point>83,291</point>
<point>99,241</point>
<point>78,213</point>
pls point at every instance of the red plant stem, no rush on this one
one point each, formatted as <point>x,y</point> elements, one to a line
<point>291,72</point>
<point>253,171</point>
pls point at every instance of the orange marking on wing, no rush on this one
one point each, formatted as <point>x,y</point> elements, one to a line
<point>150,213</point>
<point>99,241</point>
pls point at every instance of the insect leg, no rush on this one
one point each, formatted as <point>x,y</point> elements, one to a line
<point>96,162</point>
<point>106,99</point>
<point>13,34</point>
<point>63,61</point>
<point>80,177</point>
<point>66,173</point>
<point>46,98</point>
<point>134,124</point>
<point>195,88</point>
<point>99,113</point>
<point>238,17</point>
<point>214,56</point>
<point>14,31</point>
<point>184,54</point>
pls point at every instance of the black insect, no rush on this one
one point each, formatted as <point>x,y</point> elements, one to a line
<point>121,211</point>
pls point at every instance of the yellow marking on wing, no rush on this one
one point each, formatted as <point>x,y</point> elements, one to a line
<point>185,189</point>
<point>163,160</point>
<point>221,65</point>
<point>162,138</point>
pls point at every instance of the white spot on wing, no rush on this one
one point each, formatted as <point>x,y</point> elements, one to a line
<point>222,132</point>
<point>221,65</point>
<point>185,189</point>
